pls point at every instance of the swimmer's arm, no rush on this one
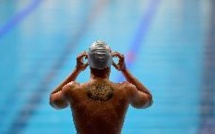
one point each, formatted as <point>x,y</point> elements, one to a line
<point>140,95</point>
<point>57,99</point>
<point>71,77</point>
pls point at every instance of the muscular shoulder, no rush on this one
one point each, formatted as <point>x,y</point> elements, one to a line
<point>70,86</point>
<point>127,85</point>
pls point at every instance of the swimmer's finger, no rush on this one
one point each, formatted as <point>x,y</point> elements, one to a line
<point>119,55</point>
<point>85,65</point>
<point>115,65</point>
<point>85,54</point>
<point>81,55</point>
<point>115,54</point>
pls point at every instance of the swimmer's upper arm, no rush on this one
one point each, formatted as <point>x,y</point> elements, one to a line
<point>58,99</point>
<point>139,99</point>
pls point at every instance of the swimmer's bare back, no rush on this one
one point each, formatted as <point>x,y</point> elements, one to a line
<point>99,106</point>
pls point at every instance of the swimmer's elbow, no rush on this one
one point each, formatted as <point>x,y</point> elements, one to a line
<point>141,105</point>
<point>150,101</point>
<point>58,102</point>
<point>143,102</point>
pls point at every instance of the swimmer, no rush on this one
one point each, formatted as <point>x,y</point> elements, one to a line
<point>99,105</point>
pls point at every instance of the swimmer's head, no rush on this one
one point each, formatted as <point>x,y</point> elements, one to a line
<point>99,55</point>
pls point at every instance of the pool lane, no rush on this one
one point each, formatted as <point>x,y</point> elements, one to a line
<point>20,16</point>
<point>36,97</point>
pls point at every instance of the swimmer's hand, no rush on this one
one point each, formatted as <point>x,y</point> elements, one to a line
<point>81,66</point>
<point>120,66</point>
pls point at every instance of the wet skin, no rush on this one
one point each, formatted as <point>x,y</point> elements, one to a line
<point>96,115</point>
<point>99,106</point>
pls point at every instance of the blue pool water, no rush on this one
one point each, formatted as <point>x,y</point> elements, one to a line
<point>168,45</point>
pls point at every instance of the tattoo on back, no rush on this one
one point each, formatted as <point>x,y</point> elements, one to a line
<point>100,92</point>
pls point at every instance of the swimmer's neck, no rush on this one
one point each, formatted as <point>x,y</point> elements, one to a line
<point>104,78</point>
<point>99,74</point>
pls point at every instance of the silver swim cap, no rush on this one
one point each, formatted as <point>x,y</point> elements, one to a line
<point>99,55</point>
